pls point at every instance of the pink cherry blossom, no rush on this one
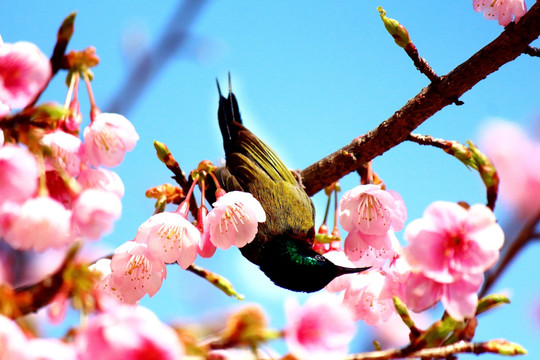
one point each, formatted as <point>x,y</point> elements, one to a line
<point>58,189</point>
<point>370,250</point>
<point>369,296</point>
<point>107,139</point>
<point>206,247</point>
<point>234,219</point>
<point>515,155</point>
<point>321,329</point>
<point>126,332</point>
<point>13,342</point>
<point>41,223</point>
<point>18,173</point>
<point>24,72</point>
<point>103,179</point>
<point>65,149</point>
<point>135,272</point>
<point>370,214</point>
<point>502,10</point>
<point>459,298</point>
<point>105,287</point>
<point>450,241</point>
<point>170,238</point>
<point>94,213</point>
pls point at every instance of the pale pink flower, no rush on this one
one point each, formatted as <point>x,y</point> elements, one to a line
<point>94,213</point>
<point>370,215</point>
<point>18,173</point>
<point>105,286</point>
<point>13,342</point>
<point>234,219</point>
<point>450,241</point>
<point>515,155</point>
<point>103,179</point>
<point>459,298</point>
<point>370,250</point>
<point>502,10</point>
<point>24,72</point>
<point>135,272</point>
<point>170,238</point>
<point>41,223</point>
<point>126,332</point>
<point>321,329</point>
<point>65,152</point>
<point>107,139</point>
<point>50,349</point>
<point>369,296</point>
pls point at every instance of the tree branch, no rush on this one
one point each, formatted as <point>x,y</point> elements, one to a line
<point>513,41</point>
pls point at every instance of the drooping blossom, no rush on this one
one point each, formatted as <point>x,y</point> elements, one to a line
<point>135,271</point>
<point>13,342</point>
<point>515,155</point>
<point>234,219</point>
<point>170,238</point>
<point>369,296</point>
<point>50,349</point>
<point>41,223</point>
<point>502,10</point>
<point>450,241</point>
<point>65,150</point>
<point>18,173</point>
<point>107,139</point>
<point>369,213</point>
<point>103,179</point>
<point>126,332</point>
<point>24,72</point>
<point>94,213</point>
<point>321,329</point>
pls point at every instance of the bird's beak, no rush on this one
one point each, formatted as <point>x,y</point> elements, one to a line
<point>341,270</point>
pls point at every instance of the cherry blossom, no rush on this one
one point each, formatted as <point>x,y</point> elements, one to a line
<point>94,213</point>
<point>107,139</point>
<point>126,332</point>
<point>234,219</point>
<point>170,238</point>
<point>18,173</point>
<point>502,10</point>
<point>24,72</point>
<point>135,272</point>
<point>369,213</point>
<point>321,329</point>
<point>450,241</point>
<point>65,151</point>
<point>41,223</point>
<point>103,179</point>
<point>515,155</point>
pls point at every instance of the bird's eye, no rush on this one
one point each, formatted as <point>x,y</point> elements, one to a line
<point>320,258</point>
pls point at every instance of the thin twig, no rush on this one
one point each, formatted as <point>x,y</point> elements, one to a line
<point>532,51</point>
<point>429,140</point>
<point>506,47</point>
<point>439,352</point>
<point>525,235</point>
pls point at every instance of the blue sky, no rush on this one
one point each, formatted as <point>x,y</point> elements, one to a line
<point>310,76</point>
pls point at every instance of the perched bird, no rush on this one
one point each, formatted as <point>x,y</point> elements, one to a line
<point>282,247</point>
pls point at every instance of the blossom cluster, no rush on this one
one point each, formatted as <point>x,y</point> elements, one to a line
<point>54,189</point>
<point>502,10</point>
<point>449,250</point>
<point>138,267</point>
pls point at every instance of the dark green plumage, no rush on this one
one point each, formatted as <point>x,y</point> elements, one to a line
<point>283,245</point>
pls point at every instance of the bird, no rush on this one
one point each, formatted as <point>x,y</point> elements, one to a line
<point>283,245</point>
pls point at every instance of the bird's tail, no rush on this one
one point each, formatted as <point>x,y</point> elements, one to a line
<point>228,113</point>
